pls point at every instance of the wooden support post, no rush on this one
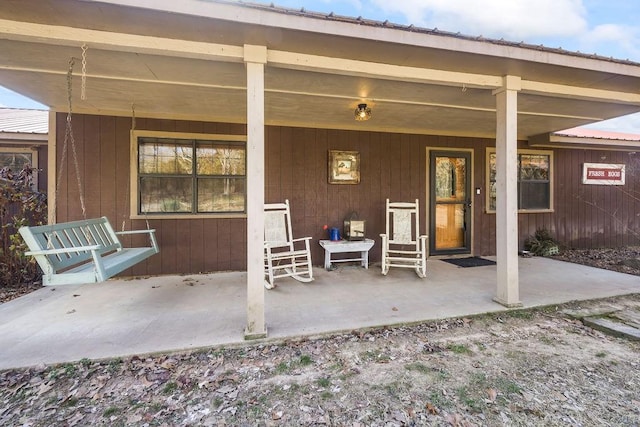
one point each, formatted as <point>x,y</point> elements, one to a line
<point>255,58</point>
<point>508,287</point>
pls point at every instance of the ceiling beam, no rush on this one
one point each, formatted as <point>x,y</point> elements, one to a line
<point>575,92</point>
<point>106,40</point>
<point>377,70</point>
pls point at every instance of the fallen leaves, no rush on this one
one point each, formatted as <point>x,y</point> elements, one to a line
<point>517,372</point>
<point>492,393</point>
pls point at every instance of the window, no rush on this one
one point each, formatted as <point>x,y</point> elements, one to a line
<point>16,158</point>
<point>189,174</point>
<point>534,180</point>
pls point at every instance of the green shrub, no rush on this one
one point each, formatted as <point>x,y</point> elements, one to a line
<point>541,243</point>
<point>19,205</point>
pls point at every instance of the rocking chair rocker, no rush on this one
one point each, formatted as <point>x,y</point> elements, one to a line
<point>402,244</point>
<point>281,258</point>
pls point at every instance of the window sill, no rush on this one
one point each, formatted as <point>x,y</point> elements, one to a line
<point>527,211</point>
<point>189,216</point>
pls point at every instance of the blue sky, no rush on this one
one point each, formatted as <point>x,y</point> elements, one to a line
<point>607,27</point>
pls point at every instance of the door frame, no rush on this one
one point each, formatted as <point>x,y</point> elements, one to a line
<point>430,207</point>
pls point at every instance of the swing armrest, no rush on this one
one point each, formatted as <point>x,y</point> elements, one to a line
<point>136,231</point>
<point>63,250</point>
<point>150,232</point>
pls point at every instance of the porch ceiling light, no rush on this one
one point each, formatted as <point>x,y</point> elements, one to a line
<point>362,113</point>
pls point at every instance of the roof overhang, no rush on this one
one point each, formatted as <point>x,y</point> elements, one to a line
<point>586,140</point>
<point>184,60</point>
<point>29,139</point>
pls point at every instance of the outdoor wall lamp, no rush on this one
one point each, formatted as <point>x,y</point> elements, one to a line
<point>362,113</point>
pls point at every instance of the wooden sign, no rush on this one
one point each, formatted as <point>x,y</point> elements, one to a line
<point>603,174</point>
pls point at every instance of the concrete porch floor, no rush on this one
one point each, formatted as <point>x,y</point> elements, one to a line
<point>167,313</point>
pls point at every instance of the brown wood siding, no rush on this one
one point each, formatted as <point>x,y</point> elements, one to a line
<point>587,216</point>
<point>392,166</point>
<point>593,216</point>
<point>189,245</point>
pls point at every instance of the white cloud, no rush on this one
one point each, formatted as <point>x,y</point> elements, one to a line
<point>511,19</point>
<point>617,40</point>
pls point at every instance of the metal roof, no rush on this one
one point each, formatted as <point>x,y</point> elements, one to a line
<point>18,120</point>
<point>583,132</point>
<point>415,29</point>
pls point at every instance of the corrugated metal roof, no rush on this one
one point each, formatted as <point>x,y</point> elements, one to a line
<point>581,132</point>
<point>18,120</point>
<point>412,28</point>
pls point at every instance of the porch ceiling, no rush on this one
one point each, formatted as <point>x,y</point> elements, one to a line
<point>37,44</point>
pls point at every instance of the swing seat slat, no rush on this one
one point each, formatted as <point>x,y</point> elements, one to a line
<point>86,251</point>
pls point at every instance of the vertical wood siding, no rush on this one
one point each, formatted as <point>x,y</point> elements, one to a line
<point>392,166</point>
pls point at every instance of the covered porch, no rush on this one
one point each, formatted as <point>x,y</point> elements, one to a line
<point>260,68</point>
<point>126,317</point>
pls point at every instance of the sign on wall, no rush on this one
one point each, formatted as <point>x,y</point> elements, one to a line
<point>603,174</point>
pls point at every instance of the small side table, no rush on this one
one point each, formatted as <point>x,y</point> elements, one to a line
<point>345,246</point>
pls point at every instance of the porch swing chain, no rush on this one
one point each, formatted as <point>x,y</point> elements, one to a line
<point>127,193</point>
<point>68,136</point>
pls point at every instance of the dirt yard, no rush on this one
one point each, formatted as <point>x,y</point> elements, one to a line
<point>525,368</point>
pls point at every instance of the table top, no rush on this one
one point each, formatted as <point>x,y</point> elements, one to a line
<point>365,242</point>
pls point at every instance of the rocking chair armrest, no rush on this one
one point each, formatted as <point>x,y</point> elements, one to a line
<point>63,250</point>
<point>271,245</point>
<point>301,239</point>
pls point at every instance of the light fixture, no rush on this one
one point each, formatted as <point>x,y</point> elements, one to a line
<point>362,113</point>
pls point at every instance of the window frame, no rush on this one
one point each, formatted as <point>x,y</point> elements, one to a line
<point>492,150</point>
<point>34,161</point>
<point>134,192</point>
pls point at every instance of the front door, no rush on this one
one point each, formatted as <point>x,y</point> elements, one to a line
<point>450,206</point>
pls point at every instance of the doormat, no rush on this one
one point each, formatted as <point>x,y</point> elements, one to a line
<point>472,261</point>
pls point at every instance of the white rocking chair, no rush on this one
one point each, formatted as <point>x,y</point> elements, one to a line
<point>402,245</point>
<point>281,258</point>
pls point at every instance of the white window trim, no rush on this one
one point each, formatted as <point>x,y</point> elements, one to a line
<point>133,174</point>
<point>549,153</point>
<point>34,161</point>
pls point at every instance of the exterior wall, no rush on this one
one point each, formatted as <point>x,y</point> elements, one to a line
<point>186,246</point>
<point>392,165</point>
<point>595,216</point>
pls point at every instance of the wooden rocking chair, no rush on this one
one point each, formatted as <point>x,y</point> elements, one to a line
<point>402,245</point>
<point>281,258</point>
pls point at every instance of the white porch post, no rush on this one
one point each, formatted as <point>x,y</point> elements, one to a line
<point>255,58</point>
<point>508,288</point>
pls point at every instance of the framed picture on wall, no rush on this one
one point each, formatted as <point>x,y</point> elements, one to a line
<point>344,167</point>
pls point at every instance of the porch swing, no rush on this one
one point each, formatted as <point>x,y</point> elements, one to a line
<point>84,251</point>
